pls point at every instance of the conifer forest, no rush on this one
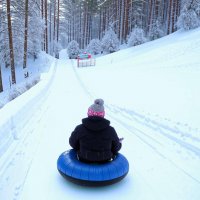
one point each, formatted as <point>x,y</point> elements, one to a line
<point>30,26</point>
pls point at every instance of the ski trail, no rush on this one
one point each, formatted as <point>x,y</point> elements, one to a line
<point>157,145</point>
<point>55,141</point>
<point>174,133</point>
<point>158,125</point>
<point>147,149</point>
<point>145,138</point>
<point>89,94</point>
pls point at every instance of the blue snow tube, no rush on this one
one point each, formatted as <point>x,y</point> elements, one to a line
<point>92,174</point>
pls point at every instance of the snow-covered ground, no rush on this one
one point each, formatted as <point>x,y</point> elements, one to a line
<point>34,68</point>
<point>151,94</point>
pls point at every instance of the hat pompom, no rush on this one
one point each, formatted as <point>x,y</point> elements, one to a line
<point>97,109</point>
<point>99,102</point>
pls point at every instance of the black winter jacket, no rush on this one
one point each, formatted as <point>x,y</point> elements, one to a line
<point>95,140</point>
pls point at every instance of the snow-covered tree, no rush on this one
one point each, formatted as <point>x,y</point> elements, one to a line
<point>18,45</point>
<point>190,16</point>
<point>94,47</point>
<point>4,44</point>
<point>57,48</point>
<point>11,48</point>
<point>36,27</point>
<point>73,49</point>
<point>35,36</point>
<point>137,37</point>
<point>18,30</point>
<point>156,30</point>
<point>110,42</point>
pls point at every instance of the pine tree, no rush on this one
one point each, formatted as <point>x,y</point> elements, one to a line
<point>110,42</point>
<point>4,45</point>
<point>73,49</point>
<point>18,23</point>
<point>137,37</point>
<point>189,18</point>
<point>12,62</point>
<point>94,47</point>
<point>156,30</point>
<point>35,36</point>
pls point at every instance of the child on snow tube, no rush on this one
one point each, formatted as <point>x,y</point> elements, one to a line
<point>95,141</point>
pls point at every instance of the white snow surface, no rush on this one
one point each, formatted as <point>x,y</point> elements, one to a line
<point>151,95</point>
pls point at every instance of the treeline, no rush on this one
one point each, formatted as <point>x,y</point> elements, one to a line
<point>91,18</point>
<point>29,26</point>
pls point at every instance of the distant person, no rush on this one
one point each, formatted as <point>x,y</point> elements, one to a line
<point>95,140</point>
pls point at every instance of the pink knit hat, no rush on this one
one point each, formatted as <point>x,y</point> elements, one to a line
<point>97,109</point>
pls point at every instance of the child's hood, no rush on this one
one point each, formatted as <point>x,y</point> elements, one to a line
<point>95,123</point>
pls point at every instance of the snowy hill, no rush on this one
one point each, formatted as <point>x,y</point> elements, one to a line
<point>152,99</point>
<point>165,72</point>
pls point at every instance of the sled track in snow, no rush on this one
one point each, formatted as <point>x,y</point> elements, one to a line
<point>149,124</point>
<point>145,121</point>
<point>159,128</point>
<point>81,82</point>
<point>145,138</point>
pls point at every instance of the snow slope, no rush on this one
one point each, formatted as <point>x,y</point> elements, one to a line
<point>152,99</point>
<point>35,69</point>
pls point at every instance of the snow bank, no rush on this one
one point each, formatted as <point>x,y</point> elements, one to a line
<point>15,114</point>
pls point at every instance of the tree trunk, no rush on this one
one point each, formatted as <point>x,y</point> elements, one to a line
<point>42,8</point>
<point>127,19</point>
<point>80,27</point>
<point>58,14</point>
<point>50,27</point>
<point>150,15</point>
<point>124,21</point>
<point>54,26</point>
<point>178,9</point>
<point>84,26</point>
<point>101,24</point>
<point>169,17</point>
<point>121,22</point>
<point>42,12</point>
<point>87,30</point>
<point>144,16</point>
<point>25,34</point>
<point>118,13</point>
<point>1,83</point>
<point>104,20</point>
<point>173,15</point>
<point>12,62</point>
<point>156,9</point>
<point>46,29</point>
